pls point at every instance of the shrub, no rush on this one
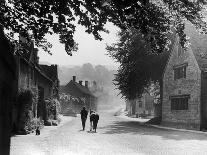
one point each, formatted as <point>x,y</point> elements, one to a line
<point>27,100</point>
<point>33,124</point>
<point>53,108</point>
<point>24,97</point>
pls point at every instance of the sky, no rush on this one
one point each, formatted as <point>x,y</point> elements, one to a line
<point>89,50</point>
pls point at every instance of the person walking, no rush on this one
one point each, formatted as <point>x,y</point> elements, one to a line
<point>95,122</point>
<point>94,117</point>
<point>84,114</point>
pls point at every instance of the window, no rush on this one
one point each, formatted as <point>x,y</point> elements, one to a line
<point>179,102</point>
<point>180,71</point>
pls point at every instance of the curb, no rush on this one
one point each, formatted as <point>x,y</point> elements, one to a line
<point>163,127</point>
<point>175,129</point>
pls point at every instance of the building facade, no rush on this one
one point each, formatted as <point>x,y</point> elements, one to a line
<point>8,89</point>
<point>141,106</point>
<point>184,84</point>
<point>80,95</point>
<point>145,105</point>
<point>42,80</point>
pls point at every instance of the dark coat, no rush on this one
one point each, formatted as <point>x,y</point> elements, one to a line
<point>84,114</point>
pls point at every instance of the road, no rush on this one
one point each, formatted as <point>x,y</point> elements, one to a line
<point>115,136</point>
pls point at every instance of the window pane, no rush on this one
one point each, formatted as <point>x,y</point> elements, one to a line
<point>180,72</point>
<point>180,103</point>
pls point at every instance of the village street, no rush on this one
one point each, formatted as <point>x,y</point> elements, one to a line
<point>115,135</point>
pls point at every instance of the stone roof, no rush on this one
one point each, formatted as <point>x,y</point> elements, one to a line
<point>75,89</point>
<point>30,57</point>
<point>198,45</point>
<point>50,71</point>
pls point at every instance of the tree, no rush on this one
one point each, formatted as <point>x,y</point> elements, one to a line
<point>102,75</point>
<point>56,16</point>
<point>87,71</point>
<point>153,18</point>
<point>138,66</point>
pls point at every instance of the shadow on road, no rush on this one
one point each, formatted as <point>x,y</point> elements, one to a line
<point>137,128</point>
<point>91,132</point>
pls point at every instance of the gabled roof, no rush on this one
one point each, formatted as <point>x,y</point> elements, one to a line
<point>198,45</point>
<point>27,51</point>
<point>75,89</point>
<point>29,56</point>
<point>50,71</point>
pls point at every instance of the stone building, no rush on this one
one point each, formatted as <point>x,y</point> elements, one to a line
<point>20,69</point>
<point>141,106</point>
<point>8,90</point>
<point>131,106</point>
<point>145,105</point>
<point>42,80</point>
<point>80,95</point>
<point>52,73</point>
<point>185,84</point>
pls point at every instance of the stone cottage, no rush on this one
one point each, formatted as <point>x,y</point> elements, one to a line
<point>145,105</point>
<point>42,80</point>
<point>185,84</point>
<point>80,95</point>
<point>141,106</point>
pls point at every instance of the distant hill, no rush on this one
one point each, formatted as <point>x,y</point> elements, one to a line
<point>44,63</point>
<point>103,74</point>
<point>65,73</point>
<point>99,73</point>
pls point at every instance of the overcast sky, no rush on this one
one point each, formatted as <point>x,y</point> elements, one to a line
<point>90,50</point>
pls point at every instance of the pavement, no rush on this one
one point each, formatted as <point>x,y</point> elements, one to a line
<point>123,115</point>
<point>28,144</point>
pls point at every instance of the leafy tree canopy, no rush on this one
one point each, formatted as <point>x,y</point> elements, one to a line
<point>153,18</point>
<point>138,66</point>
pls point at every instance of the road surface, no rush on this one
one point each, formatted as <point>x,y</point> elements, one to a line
<point>115,136</point>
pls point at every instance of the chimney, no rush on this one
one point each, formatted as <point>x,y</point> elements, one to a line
<point>36,58</point>
<point>80,82</point>
<point>86,84</point>
<point>74,78</point>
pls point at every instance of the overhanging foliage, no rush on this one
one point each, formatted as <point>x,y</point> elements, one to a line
<point>153,18</point>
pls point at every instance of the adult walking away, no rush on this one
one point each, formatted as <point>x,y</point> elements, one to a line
<point>94,117</point>
<point>84,114</point>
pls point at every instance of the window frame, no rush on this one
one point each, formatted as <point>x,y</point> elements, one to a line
<point>182,102</point>
<point>180,71</point>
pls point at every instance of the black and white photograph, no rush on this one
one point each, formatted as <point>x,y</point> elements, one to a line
<point>103,77</point>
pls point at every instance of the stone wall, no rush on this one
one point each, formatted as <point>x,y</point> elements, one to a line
<point>47,85</point>
<point>27,75</point>
<point>145,105</point>
<point>8,88</point>
<point>190,85</point>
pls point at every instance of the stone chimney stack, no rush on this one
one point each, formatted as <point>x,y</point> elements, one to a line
<point>74,78</point>
<point>36,56</point>
<point>80,82</point>
<point>86,84</point>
